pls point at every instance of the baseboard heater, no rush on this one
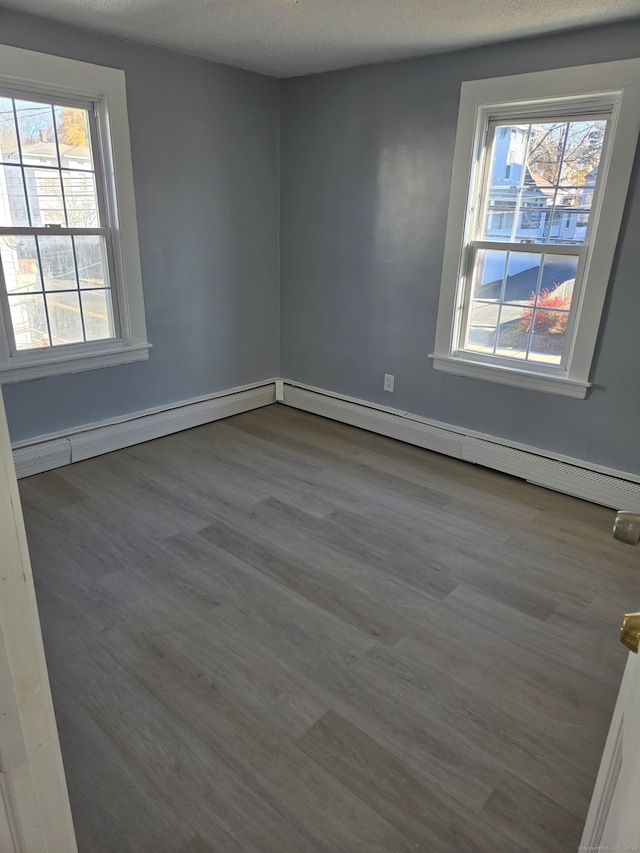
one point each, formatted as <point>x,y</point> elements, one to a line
<point>43,455</point>
<point>612,489</point>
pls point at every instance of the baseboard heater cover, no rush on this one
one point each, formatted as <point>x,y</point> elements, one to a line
<point>571,479</point>
<point>578,480</point>
<point>113,437</point>
<point>376,420</point>
<point>45,455</point>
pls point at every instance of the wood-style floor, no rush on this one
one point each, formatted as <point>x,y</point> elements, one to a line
<point>280,634</point>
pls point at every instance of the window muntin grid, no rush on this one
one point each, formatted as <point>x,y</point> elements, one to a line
<point>55,243</point>
<point>535,216</point>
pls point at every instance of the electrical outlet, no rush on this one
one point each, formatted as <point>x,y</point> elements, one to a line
<point>389,379</point>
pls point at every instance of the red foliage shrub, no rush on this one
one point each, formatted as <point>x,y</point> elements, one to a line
<point>547,322</point>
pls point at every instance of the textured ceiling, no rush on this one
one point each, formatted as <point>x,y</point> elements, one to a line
<point>286,38</point>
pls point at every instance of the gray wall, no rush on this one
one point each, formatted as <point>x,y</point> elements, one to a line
<point>366,158</point>
<point>204,143</point>
<point>365,167</point>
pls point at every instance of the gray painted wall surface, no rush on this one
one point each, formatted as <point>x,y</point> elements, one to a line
<point>365,161</point>
<point>204,143</point>
<point>366,158</point>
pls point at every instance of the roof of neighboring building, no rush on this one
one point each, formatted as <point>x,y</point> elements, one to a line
<point>47,150</point>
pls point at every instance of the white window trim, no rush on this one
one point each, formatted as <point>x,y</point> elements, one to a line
<point>621,78</point>
<point>34,72</point>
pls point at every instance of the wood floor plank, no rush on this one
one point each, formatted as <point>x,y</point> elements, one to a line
<point>395,791</point>
<point>282,633</point>
<point>137,819</point>
<point>342,597</point>
<point>550,644</point>
<point>520,740</point>
<point>50,491</point>
<point>386,706</point>
<point>253,747</point>
<point>531,818</point>
<point>198,845</point>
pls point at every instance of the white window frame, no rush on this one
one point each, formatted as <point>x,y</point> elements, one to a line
<point>39,73</point>
<point>482,100</point>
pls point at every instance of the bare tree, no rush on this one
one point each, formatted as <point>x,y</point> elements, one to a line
<point>565,152</point>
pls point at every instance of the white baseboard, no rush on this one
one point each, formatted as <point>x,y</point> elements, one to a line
<point>616,489</point>
<point>597,484</point>
<point>47,452</point>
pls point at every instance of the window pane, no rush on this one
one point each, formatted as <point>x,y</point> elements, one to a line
<point>29,321</point>
<point>20,264</point>
<point>73,138</point>
<point>37,134</point>
<point>91,258</point>
<point>522,277</point>
<point>65,318</point>
<point>59,192</point>
<point>98,314</point>
<point>582,155</point>
<point>58,264</point>
<point>44,190</point>
<point>524,313</point>
<point>510,293</point>
<point>489,274</point>
<point>498,222</point>
<point>521,286</point>
<point>570,216</point>
<point>508,155</point>
<point>13,205</point>
<point>512,338</point>
<point>544,158</point>
<point>547,340</point>
<point>80,199</point>
<point>8,134</point>
<point>546,317</point>
<point>483,321</point>
<point>542,179</point>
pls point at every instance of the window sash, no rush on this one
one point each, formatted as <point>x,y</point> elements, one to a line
<point>92,109</point>
<point>478,198</point>
<point>117,338</point>
<point>460,345</point>
<point>49,230</point>
<point>104,230</point>
<point>32,91</point>
<point>476,212</point>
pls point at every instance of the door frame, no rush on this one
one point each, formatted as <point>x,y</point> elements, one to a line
<point>35,816</point>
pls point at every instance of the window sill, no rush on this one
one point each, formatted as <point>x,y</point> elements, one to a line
<point>512,376</point>
<point>58,364</point>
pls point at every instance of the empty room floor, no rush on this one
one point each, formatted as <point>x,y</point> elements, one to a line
<point>278,633</point>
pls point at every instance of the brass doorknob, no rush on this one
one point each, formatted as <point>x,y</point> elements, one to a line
<point>630,631</point>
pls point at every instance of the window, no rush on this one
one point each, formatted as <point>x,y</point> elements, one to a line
<point>70,282</point>
<point>521,305</point>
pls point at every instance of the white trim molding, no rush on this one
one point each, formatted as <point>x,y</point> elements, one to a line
<point>41,73</point>
<point>538,93</point>
<point>57,362</point>
<point>35,816</point>
<point>53,451</point>
<point>509,376</point>
<point>609,772</point>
